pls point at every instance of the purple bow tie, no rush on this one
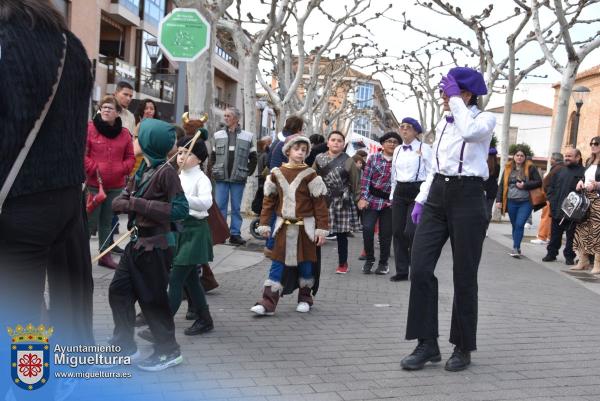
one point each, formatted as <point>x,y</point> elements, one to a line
<point>406,147</point>
<point>450,119</point>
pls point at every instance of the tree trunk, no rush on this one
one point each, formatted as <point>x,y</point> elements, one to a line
<point>562,108</point>
<point>200,74</point>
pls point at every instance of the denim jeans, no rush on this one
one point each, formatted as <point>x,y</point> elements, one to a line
<point>234,191</point>
<point>276,272</point>
<point>518,211</point>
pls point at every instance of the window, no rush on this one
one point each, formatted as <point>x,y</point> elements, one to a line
<point>364,96</point>
<point>132,5</point>
<point>154,10</point>
<point>362,126</point>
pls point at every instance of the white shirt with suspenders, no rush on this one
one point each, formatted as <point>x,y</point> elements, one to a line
<point>411,165</point>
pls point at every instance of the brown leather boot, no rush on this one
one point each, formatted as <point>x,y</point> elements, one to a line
<point>107,261</point>
<point>268,303</point>
<point>207,279</point>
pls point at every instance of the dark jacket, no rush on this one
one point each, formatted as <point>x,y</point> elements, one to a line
<point>563,181</point>
<point>532,180</point>
<point>314,151</point>
<point>28,69</point>
<point>546,181</point>
<point>491,184</point>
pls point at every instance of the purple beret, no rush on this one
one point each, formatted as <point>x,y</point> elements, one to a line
<point>415,124</point>
<point>493,151</point>
<point>469,79</point>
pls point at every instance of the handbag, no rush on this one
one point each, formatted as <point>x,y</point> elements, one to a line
<point>93,201</point>
<point>16,167</point>
<point>537,198</point>
<point>576,207</point>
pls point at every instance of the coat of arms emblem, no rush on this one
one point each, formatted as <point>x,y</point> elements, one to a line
<point>30,355</point>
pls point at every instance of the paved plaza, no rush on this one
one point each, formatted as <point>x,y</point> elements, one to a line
<point>538,335</point>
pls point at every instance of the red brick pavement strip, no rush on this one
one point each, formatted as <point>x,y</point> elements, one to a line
<point>538,335</point>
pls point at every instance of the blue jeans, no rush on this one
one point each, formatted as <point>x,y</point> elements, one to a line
<point>276,272</point>
<point>225,190</point>
<point>518,211</point>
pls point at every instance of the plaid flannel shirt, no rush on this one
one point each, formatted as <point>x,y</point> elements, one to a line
<point>377,174</point>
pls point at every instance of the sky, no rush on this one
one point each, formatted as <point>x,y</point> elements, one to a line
<point>390,35</point>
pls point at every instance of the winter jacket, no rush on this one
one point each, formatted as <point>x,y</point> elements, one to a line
<point>113,158</point>
<point>28,68</point>
<point>563,181</point>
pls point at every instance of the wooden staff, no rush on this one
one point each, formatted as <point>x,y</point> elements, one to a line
<point>110,248</point>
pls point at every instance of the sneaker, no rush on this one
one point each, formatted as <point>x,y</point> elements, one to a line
<point>303,307</point>
<point>261,311</point>
<point>366,269</point>
<point>157,362</point>
<point>538,241</point>
<point>331,236</point>
<point>549,258</point>
<point>236,240</point>
<point>342,269</point>
<point>382,269</point>
<point>515,253</point>
<point>117,250</point>
<point>528,226</point>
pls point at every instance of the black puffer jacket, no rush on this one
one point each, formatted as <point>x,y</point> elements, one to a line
<point>29,60</point>
<point>562,182</point>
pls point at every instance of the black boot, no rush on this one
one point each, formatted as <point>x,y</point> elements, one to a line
<point>458,361</point>
<point>426,351</point>
<point>202,325</point>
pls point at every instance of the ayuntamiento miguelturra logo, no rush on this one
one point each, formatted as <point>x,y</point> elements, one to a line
<point>30,355</point>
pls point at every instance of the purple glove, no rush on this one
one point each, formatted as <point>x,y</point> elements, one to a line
<point>449,86</point>
<point>416,213</point>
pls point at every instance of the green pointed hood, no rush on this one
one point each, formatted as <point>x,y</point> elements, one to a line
<point>156,138</point>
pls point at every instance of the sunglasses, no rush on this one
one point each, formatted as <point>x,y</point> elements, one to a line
<point>594,144</point>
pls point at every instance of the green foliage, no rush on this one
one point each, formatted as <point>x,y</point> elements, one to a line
<point>522,147</point>
<point>494,142</point>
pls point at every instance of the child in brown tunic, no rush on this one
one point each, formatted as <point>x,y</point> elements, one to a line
<point>297,195</point>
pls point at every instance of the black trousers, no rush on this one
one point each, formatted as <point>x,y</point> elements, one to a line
<point>142,276</point>
<point>556,234</point>
<point>45,235</point>
<point>369,220</point>
<point>404,197</point>
<point>455,209</point>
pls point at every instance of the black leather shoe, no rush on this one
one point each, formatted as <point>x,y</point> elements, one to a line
<point>368,266</point>
<point>426,351</point>
<point>117,250</point>
<point>548,258</point>
<point>202,325</point>
<point>236,240</point>
<point>399,277</point>
<point>459,360</point>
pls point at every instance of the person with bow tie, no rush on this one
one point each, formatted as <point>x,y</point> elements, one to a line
<point>451,204</point>
<point>375,204</point>
<point>410,166</point>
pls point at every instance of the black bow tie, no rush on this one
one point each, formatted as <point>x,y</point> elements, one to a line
<point>450,119</point>
<point>406,147</point>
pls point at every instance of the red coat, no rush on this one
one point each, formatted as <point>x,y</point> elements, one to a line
<point>114,158</point>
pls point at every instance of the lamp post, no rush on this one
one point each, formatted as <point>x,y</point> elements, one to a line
<point>579,94</point>
<point>155,53</point>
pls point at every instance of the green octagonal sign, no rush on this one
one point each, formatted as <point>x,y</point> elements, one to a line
<point>184,34</point>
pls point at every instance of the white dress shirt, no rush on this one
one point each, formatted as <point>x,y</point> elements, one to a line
<point>471,127</point>
<point>198,191</point>
<point>406,162</point>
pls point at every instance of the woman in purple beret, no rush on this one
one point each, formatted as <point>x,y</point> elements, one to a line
<point>451,204</point>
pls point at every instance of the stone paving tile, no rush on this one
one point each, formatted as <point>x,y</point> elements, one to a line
<point>537,339</point>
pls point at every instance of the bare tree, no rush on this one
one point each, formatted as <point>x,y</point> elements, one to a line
<point>568,18</point>
<point>481,24</point>
<point>200,73</point>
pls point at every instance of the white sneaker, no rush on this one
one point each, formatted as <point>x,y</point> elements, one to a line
<point>303,307</point>
<point>528,226</point>
<point>260,310</point>
<point>539,241</point>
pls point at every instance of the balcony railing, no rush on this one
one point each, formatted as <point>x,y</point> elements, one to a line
<point>221,104</point>
<point>226,56</point>
<point>118,70</point>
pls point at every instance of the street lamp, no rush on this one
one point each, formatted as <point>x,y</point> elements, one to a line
<point>154,53</point>
<point>579,94</point>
